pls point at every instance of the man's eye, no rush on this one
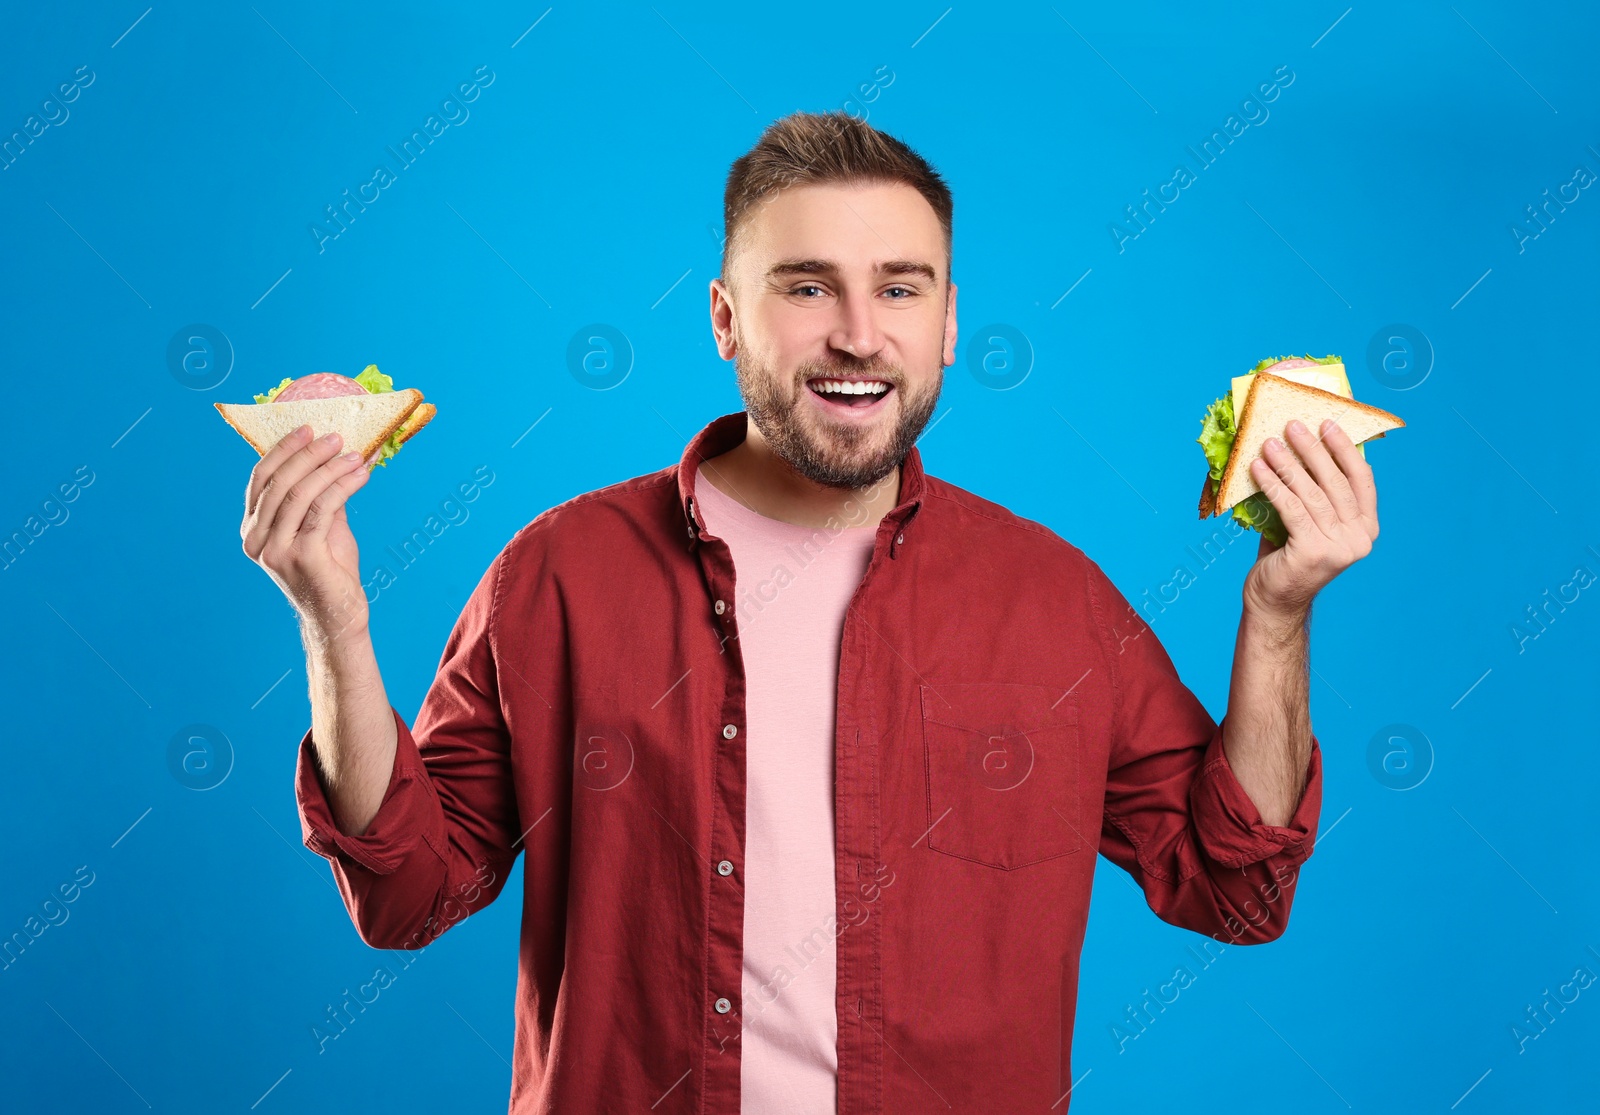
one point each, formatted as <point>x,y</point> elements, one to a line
<point>903,290</point>
<point>808,286</point>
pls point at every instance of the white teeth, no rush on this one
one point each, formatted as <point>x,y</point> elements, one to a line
<point>850,387</point>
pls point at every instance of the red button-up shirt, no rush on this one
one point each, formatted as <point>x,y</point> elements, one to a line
<point>1003,715</point>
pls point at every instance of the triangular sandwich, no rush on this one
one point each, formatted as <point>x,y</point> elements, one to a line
<point>364,422</point>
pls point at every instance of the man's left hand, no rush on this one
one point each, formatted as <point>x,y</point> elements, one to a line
<point>1330,513</point>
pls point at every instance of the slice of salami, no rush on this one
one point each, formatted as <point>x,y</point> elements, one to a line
<point>320,385</point>
<point>1280,366</point>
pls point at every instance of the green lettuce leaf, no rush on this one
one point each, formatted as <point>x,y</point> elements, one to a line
<point>273,394</point>
<point>1257,513</point>
<point>376,382</point>
<point>1217,432</point>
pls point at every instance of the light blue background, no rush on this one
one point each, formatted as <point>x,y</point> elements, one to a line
<point>586,186</point>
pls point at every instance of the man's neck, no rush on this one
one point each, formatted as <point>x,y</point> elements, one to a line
<point>755,476</point>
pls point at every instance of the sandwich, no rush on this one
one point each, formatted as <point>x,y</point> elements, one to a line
<point>370,416</point>
<point>1260,406</point>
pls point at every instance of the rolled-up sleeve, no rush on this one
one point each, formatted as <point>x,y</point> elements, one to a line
<point>396,830</point>
<point>1176,818</point>
<point>1230,826</point>
<point>446,831</point>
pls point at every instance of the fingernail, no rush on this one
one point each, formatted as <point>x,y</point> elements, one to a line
<point>352,457</point>
<point>1327,425</point>
<point>332,439</point>
<point>1274,444</point>
<point>302,431</point>
<point>1296,426</point>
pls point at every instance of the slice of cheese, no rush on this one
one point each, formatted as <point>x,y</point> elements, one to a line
<point>1328,377</point>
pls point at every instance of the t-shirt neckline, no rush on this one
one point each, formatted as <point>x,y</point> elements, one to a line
<point>728,505</point>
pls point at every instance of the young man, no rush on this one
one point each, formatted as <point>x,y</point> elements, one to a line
<point>810,753</point>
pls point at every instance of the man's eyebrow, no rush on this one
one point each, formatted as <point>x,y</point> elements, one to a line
<point>828,267</point>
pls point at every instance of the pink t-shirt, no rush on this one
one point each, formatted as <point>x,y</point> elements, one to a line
<point>792,585</point>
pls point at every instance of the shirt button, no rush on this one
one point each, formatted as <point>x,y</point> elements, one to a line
<point>724,868</point>
<point>729,731</point>
<point>723,1006</point>
<point>719,607</point>
<point>901,538</point>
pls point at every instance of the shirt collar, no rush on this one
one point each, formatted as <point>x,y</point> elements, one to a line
<point>723,433</point>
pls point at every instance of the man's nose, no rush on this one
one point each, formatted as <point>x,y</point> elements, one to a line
<point>857,331</point>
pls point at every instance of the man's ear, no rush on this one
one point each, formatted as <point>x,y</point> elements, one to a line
<point>722,319</point>
<point>950,327</point>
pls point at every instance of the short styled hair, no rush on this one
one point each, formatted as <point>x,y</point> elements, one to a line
<point>809,148</point>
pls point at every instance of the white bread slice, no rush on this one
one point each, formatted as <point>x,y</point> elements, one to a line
<point>1270,405</point>
<point>363,421</point>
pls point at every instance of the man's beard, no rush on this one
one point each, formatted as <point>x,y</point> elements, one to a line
<point>841,457</point>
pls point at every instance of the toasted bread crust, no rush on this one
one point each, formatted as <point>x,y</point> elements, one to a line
<point>424,414</point>
<point>1208,498</point>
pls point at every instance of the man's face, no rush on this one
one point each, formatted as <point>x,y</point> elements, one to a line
<point>839,285</point>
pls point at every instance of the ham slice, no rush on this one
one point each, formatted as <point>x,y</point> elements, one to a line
<point>319,385</point>
<point>1291,362</point>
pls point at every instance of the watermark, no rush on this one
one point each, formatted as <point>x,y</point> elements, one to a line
<point>866,93</point>
<point>599,356</point>
<point>1153,602</point>
<point>853,106</point>
<point>338,1018</point>
<point>1399,757</point>
<point>755,596</point>
<point>1540,617</point>
<point>1136,221</point>
<point>603,758</point>
<point>199,756</point>
<point>1283,880</point>
<point>335,619</point>
<point>54,911</point>
<point>52,114</point>
<point>452,512</point>
<point>1538,221</point>
<point>453,112</point>
<point>825,933</point>
<point>1399,356</point>
<point>1002,762</point>
<point>1001,357</point>
<point>200,356</point>
<point>1537,1020</point>
<point>53,511</point>
<point>1137,1018</point>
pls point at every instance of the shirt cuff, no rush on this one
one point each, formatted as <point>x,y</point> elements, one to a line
<point>1230,826</point>
<point>400,819</point>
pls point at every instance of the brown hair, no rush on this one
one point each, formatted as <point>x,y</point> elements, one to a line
<point>807,148</point>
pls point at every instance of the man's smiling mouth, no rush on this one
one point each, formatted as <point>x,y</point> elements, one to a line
<point>850,394</point>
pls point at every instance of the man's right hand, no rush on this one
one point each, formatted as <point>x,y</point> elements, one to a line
<point>295,528</point>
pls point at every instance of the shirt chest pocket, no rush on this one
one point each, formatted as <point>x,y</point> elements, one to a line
<point>1002,772</point>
